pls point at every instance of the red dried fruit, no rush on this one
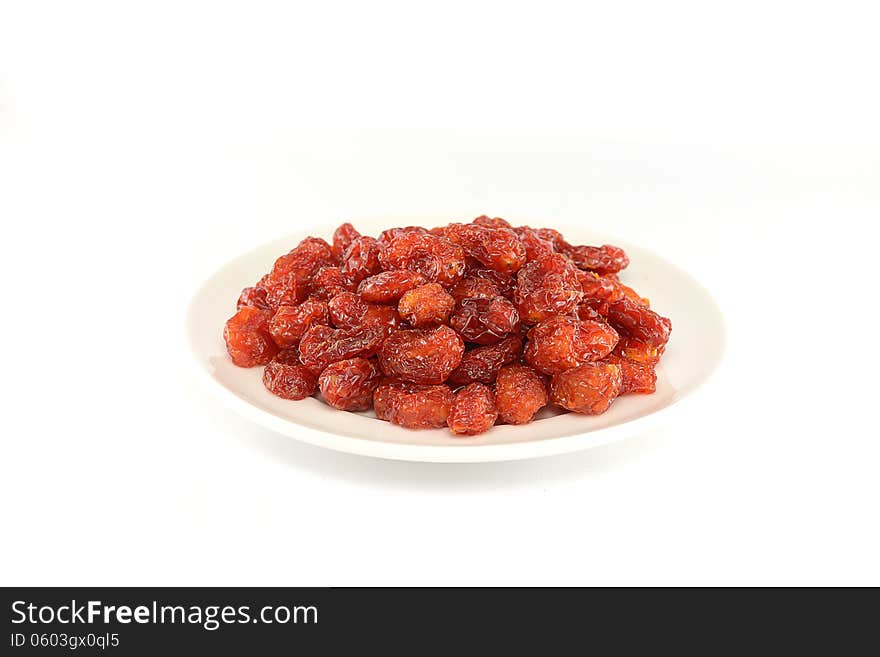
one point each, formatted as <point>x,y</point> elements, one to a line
<point>639,352</point>
<point>588,389</point>
<point>634,296</point>
<point>322,345</point>
<point>600,288</point>
<point>349,384</point>
<point>499,249</point>
<point>426,305</point>
<point>545,287</point>
<point>286,377</point>
<point>247,337</point>
<point>472,411</point>
<point>348,311</point>
<point>491,222</point>
<point>520,393</point>
<point>388,236</point>
<point>389,286</point>
<point>602,259</point>
<point>483,363</point>
<point>284,291</point>
<point>288,282</point>
<point>635,377</point>
<point>639,322</point>
<point>289,323</point>
<point>254,297</point>
<point>342,239</point>
<point>561,343</point>
<point>421,356</point>
<point>435,258</point>
<point>492,283</point>
<point>328,282</point>
<point>485,321</point>
<point>475,287</point>
<point>535,246</point>
<point>413,406</point>
<point>361,259</point>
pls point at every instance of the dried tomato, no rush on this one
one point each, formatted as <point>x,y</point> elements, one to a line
<point>589,389</point>
<point>247,337</point>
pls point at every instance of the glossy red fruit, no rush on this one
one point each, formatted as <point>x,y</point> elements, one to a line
<point>435,258</point>
<point>589,389</point>
<point>472,411</point>
<point>499,249</point>
<point>639,323</point>
<point>328,282</point>
<point>342,239</point>
<point>289,323</point>
<point>485,321</point>
<point>322,345</point>
<point>426,305</point>
<point>483,363</point>
<point>413,406</point>
<point>247,337</point>
<point>286,377</point>
<point>361,259</point>
<point>388,236</point>
<point>389,286</point>
<point>520,392</point>
<point>348,385</point>
<point>491,222</point>
<point>421,356</point>
<point>546,287</point>
<point>253,296</point>
<point>636,378</point>
<point>605,259</point>
<point>561,343</point>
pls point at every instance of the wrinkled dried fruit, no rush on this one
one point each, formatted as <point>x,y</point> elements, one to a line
<point>389,286</point>
<point>639,352</point>
<point>635,378</point>
<point>253,296</point>
<point>399,309</point>
<point>535,246</point>
<point>435,258</point>
<point>499,249</point>
<point>588,389</point>
<point>421,356</point>
<point>349,384</point>
<point>483,363</point>
<point>289,323</point>
<point>485,321</point>
<point>599,288</point>
<point>247,337</point>
<point>491,222</point>
<point>547,286</point>
<point>561,343</point>
<point>286,377</point>
<point>388,236</point>
<point>322,345</point>
<point>472,411</point>
<point>413,406</point>
<point>602,259</point>
<point>520,392</point>
<point>361,259</point>
<point>639,322</point>
<point>342,239</point>
<point>328,282</point>
<point>426,305</point>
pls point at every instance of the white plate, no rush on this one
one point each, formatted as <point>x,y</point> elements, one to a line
<point>694,351</point>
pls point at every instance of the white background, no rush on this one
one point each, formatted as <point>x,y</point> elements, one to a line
<point>144,144</point>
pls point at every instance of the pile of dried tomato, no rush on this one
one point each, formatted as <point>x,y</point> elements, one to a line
<point>462,326</point>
